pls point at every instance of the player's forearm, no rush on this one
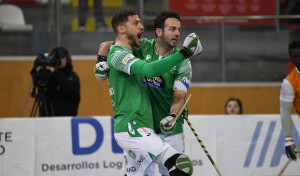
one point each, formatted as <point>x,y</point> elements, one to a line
<point>178,101</point>
<point>176,107</point>
<point>157,67</point>
<point>286,119</point>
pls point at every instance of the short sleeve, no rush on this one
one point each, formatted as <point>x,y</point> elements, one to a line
<point>184,77</point>
<point>122,61</point>
<point>287,92</point>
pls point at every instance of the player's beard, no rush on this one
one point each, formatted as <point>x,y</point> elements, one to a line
<point>133,40</point>
<point>167,43</point>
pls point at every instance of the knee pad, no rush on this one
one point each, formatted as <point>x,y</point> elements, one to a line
<point>179,165</point>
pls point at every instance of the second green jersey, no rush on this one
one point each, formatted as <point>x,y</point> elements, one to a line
<point>162,87</point>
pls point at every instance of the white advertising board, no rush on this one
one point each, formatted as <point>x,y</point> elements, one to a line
<point>243,145</point>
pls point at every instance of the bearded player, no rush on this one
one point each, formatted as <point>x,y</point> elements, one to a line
<point>133,123</point>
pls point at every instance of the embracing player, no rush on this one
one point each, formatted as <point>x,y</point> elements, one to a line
<point>133,122</point>
<point>167,90</point>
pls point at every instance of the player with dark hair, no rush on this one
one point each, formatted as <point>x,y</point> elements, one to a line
<point>133,119</point>
<point>168,90</point>
<point>292,46</point>
<point>289,96</point>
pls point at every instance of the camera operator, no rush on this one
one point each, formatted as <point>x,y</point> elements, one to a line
<point>56,85</point>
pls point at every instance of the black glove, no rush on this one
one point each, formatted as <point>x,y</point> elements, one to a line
<point>290,148</point>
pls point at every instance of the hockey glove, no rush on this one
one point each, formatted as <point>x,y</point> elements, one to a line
<point>101,70</point>
<point>167,125</point>
<point>290,148</point>
<point>191,46</point>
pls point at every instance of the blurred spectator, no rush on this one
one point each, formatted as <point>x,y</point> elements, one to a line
<point>233,106</point>
<point>98,14</point>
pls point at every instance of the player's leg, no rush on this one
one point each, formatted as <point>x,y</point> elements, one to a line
<point>142,150</point>
<point>150,170</point>
<point>129,164</point>
<point>177,142</point>
<point>178,164</point>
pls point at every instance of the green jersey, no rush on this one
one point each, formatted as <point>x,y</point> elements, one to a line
<point>129,97</point>
<point>162,87</point>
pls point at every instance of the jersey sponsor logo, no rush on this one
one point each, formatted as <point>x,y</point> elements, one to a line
<point>173,70</point>
<point>148,57</point>
<point>126,160</point>
<point>141,159</point>
<point>151,156</point>
<point>157,82</point>
<point>127,58</point>
<point>186,79</point>
<point>132,154</point>
<point>111,91</point>
<point>147,132</point>
<point>132,132</point>
<point>130,129</point>
<point>130,169</point>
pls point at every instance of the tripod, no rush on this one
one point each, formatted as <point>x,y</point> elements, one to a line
<point>42,104</point>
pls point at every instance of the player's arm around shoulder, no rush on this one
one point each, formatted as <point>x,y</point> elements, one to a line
<point>101,67</point>
<point>104,48</point>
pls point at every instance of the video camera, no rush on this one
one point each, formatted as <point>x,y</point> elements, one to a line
<point>45,60</point>
<point>40,77</point>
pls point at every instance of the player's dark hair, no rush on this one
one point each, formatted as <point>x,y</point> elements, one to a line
<point>239,102</point>
<point>293,45</point>
<point>121,17</point>
<point>159,21</point>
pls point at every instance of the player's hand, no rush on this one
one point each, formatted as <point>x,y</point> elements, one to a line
<point>290,148</point>
<point>167,125</point>
<point>191,46</point>
<point>101,70</point>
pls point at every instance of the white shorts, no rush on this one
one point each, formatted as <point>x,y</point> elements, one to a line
<point>139,152</point>
<point>177,142</point>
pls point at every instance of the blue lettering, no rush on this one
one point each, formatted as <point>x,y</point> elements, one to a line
<point>266,144</point>
<point>253,143</point>
<point>279,150</point>
<point>75,122</point>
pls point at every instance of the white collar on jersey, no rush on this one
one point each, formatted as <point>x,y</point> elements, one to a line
<point>160,57</point>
